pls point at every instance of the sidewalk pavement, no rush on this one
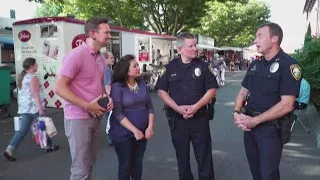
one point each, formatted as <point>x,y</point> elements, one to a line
<point>311,114</point>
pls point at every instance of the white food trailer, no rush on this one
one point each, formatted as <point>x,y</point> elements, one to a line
<point>49,39</point>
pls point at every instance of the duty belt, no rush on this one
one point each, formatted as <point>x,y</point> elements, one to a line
<point>256,113</point>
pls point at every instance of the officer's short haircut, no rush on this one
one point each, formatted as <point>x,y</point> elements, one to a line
<point>274,30</point>
<point>181,37</point>
<point>93,24</point>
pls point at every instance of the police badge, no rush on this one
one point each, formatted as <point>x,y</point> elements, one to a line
<point>197,72</point>
<point>274,67</point>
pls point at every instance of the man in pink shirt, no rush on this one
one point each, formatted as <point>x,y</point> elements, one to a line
<point>79,83</point>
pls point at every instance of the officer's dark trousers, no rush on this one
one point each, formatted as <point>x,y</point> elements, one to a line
<point>263,148</point>
<point>197,131</point>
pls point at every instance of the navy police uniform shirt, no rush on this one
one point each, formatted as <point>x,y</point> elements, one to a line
<point>186,83</point>
<point>267,81</point>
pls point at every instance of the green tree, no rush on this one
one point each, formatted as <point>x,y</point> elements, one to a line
<point>171,16</point>
<point>233,23</point>
<point>309,60</point>
<point>174,16</point>
<point>161,16</point>
<point>38,1</point>
<point>120,12</point>
<point>308,36</point>
<point>49,8</point>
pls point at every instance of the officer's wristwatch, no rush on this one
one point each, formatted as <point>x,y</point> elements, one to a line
<point>235,111</point>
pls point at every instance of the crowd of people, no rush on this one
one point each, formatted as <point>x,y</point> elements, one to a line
<point>188,87</point>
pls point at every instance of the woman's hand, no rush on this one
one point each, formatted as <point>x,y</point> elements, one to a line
<point>149,132</point>
<point>138,135</point>
<point>41,112</point>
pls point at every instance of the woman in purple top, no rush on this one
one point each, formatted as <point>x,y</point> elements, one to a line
<point>131,122</point>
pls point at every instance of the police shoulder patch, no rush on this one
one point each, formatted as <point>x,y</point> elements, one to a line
<point>295,71</point>
<point>211,70</point>
<point>163,70</point>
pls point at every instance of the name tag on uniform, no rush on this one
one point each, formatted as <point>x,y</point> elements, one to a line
<point>173,75</point>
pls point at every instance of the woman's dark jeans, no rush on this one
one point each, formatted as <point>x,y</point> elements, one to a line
<point>130,154</point>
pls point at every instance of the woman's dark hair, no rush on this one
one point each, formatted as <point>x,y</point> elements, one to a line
<point>27,63</point>
<point>121,69</point>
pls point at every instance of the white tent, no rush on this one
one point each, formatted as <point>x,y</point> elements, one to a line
<point>226,48</point>
<point>201,46</point>
<point>250,52</point>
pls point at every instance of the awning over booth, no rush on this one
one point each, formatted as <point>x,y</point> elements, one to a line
<point>225,48</point>
<point>202,46</point>
<point>204,42</point>
<point>6,41</point>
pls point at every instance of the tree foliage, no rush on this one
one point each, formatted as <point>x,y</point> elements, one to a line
<point>233,23</point>
<point>171,16</point>
<point>308,36</point>
<point>50,9</point>
<point>120,12</point>
<point>309,60</point>
<point>161,16</point>
<point>174,16</point>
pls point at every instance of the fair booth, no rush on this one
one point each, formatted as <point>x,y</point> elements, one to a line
<point>49,39</point>
<point>206,46</point>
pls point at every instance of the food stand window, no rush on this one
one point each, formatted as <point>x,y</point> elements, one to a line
<point>116,45</point>
<point>144,49</point>
<point>49,31</point>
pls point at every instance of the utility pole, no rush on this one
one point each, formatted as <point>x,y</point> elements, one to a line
<point>317,23</point>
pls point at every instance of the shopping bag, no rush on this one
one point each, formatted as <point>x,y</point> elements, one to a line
<point>50,127</point>
<point>16,122</point>
<point>39,134</point>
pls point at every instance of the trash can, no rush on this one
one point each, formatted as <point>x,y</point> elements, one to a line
<point>5,84</point>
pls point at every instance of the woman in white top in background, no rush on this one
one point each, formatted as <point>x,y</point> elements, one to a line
<point>223,71</point>
<point>31,105</point>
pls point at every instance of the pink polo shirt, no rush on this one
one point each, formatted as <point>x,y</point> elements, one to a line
<point>85,69</point>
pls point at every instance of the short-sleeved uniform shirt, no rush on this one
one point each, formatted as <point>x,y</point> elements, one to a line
<point>267,81</point>
<point>187,83</point>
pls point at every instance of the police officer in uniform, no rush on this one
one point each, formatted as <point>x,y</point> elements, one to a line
<point>273,83</point>
<point>187,85</point>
